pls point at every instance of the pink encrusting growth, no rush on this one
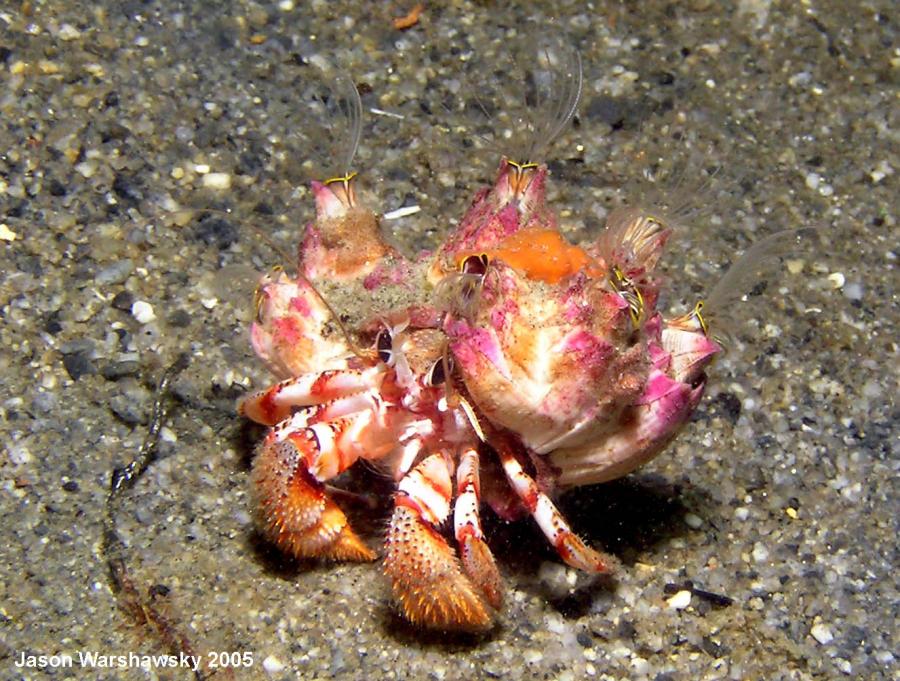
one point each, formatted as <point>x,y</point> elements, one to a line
<point>300,305</point>
<point>289,332</point>
<point>472,346</point>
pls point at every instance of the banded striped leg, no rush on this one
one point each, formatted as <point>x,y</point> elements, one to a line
<point>294,510</point>
<point>477,560</point>
<point>425,575</point>
<point>570,548</point>
<point>274,404</point>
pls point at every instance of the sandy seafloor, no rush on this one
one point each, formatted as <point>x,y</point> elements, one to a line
<point>781,493</point>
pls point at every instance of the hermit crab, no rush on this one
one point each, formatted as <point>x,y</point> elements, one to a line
<point>508,357</point>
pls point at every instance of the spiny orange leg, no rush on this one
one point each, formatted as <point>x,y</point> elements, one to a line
<point>425,574</point>
<point>294,510</point>
<point>274,404</point>
<point>477,560</point>
<point>570,548</point>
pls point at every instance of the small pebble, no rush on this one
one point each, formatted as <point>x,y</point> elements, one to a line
<point>19,454</point>
<point>68,32</point>
<point>680,600</point>
<point>6,234</point>
<point>143,312</point>
<point>693,521</point>
<point>533,656</point>
<point>113,371</point>
<point>179,319</point>
<point>217,181</point>
<point>130,404</point>
<point>822,633</point>
<point>70,347</point>
<point>79,364</point>
<point>760,553</point>
<point>794,266</point>
<point>853,291</point>
<point>115,273</point>
<point>272,665</point>
<point>123,300</point>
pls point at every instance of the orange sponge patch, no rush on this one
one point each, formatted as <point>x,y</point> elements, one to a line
<point>545,255</point>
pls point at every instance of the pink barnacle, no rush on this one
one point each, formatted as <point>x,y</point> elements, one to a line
<point>593,353</point>
<point>659,358</point>
<point>580,341</point>
<point>508,220</point>
<point>659,386</point>
<point>471,343</point>
<point>574,311</point>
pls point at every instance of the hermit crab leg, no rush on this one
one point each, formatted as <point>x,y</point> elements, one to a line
<point>425,575</point>
<point>570,548</point>
<point>476,557</point>
<point>294,461</point>
<point>274,404</point>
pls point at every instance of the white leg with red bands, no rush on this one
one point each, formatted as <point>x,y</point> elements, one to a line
<point>476,557</point>
<point>428,487</point>
<point>425,575</point>
<point>567,544</point>
<point>277,403</point>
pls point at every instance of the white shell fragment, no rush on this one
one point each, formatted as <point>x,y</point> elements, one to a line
<point>217,181</point>
<point>6,234</point>
<point>837,279</point>
<point>821,633</point>
<point>402,212</point>
<point>143,311</point>
<point>680,600</point>
<point>272,665</point>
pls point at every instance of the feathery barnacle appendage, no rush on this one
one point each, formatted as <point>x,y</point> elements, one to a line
<point>716,313</point>
<point>528,95</point>
<point>558,83</point>
<point>333,127</point>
